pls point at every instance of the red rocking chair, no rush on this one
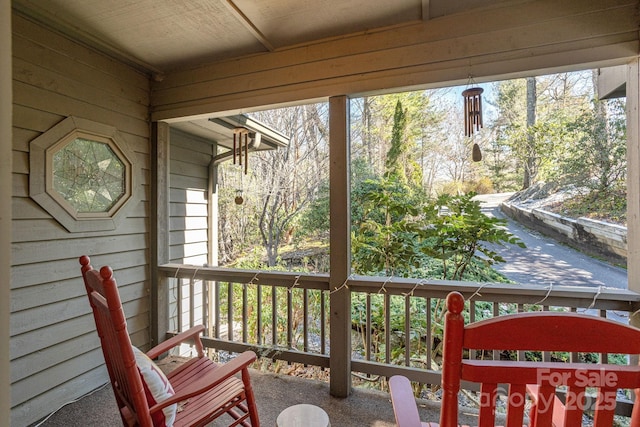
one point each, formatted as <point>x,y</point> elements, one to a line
<point>531,383</point>
<point>193,394</point>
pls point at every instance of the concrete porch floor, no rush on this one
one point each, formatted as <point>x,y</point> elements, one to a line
<point>274,393</point>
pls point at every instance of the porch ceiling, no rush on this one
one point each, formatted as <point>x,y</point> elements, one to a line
<point>162,36</point>
<point>213,55</point>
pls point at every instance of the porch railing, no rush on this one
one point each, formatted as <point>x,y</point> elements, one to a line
<point>285,315</point>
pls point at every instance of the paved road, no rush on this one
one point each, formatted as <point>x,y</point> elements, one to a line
<point>544,261</point>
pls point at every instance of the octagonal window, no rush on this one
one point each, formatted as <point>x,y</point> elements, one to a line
<point>82,174</point>
<point>89,175</point>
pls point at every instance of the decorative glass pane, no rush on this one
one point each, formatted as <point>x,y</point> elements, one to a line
<point>89,175</point>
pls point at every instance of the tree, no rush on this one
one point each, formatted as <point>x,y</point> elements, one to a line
<point>397,231</point>
<point>531,160</point>
<point>561,100</point>
<point>401,235</point>
<point>534,122</point>
<point>499,163</point>
<point>236,223</point>
<point>375,128</point>
<point>597,158</point>
<point>400,161</point>
<point>508,129</point>
<point>385,240</point>
<point>463,232</point>
<point>280,185</point>
<point>368,132</point>
<point>290,176</point>
<point>399,150</point>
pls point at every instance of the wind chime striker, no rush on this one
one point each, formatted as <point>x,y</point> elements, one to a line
<point>473,117</point>
<point>240,150</point>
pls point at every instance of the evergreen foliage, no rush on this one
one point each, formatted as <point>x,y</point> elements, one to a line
<point>402,234</point>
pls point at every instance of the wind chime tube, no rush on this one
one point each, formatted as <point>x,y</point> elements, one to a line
<point>478,118</point>
<point>234,146</point>
<point>240,150</point>
<point>472,117</point>
<point>466,116</point>
<point>246,153</point>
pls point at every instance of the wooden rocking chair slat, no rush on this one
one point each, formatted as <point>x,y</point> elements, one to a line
<point>534,382</point>
<point>488,395</point>
<point>605,405</point>
<point>202,390</point>
<point>571,414</point>
<point>515,406</point>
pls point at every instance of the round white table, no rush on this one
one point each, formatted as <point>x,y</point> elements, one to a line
<point>303,415</point>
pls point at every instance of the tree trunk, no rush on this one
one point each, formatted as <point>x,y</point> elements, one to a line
<point>530,167</point>
<point>602,137</point>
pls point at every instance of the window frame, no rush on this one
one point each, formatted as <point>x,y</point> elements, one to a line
<point>42,191</point>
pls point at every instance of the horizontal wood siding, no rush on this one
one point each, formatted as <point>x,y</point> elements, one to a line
<point>188,186</point>
<point>513,39</point>
<point>188,224</point>
<point>55,352</point>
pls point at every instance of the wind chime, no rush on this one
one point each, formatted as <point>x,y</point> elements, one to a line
<point>240,150</point>
<point>473,117</point>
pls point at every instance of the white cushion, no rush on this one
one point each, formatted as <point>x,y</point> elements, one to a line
<point>157,388</point>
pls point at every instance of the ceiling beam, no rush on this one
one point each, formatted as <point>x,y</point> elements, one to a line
<point>249,25</point>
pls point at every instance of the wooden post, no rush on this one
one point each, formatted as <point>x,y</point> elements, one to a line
<point>340,258</point>
<point>159,230</point>
<point>633,181</point>
<point>6,123</point>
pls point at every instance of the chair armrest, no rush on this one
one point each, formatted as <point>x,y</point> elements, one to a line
<point>189,334</point>
<point>211,379</point>
<point>403,402</point>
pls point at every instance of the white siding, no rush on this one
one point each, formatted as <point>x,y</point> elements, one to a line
<point>54,350</point>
